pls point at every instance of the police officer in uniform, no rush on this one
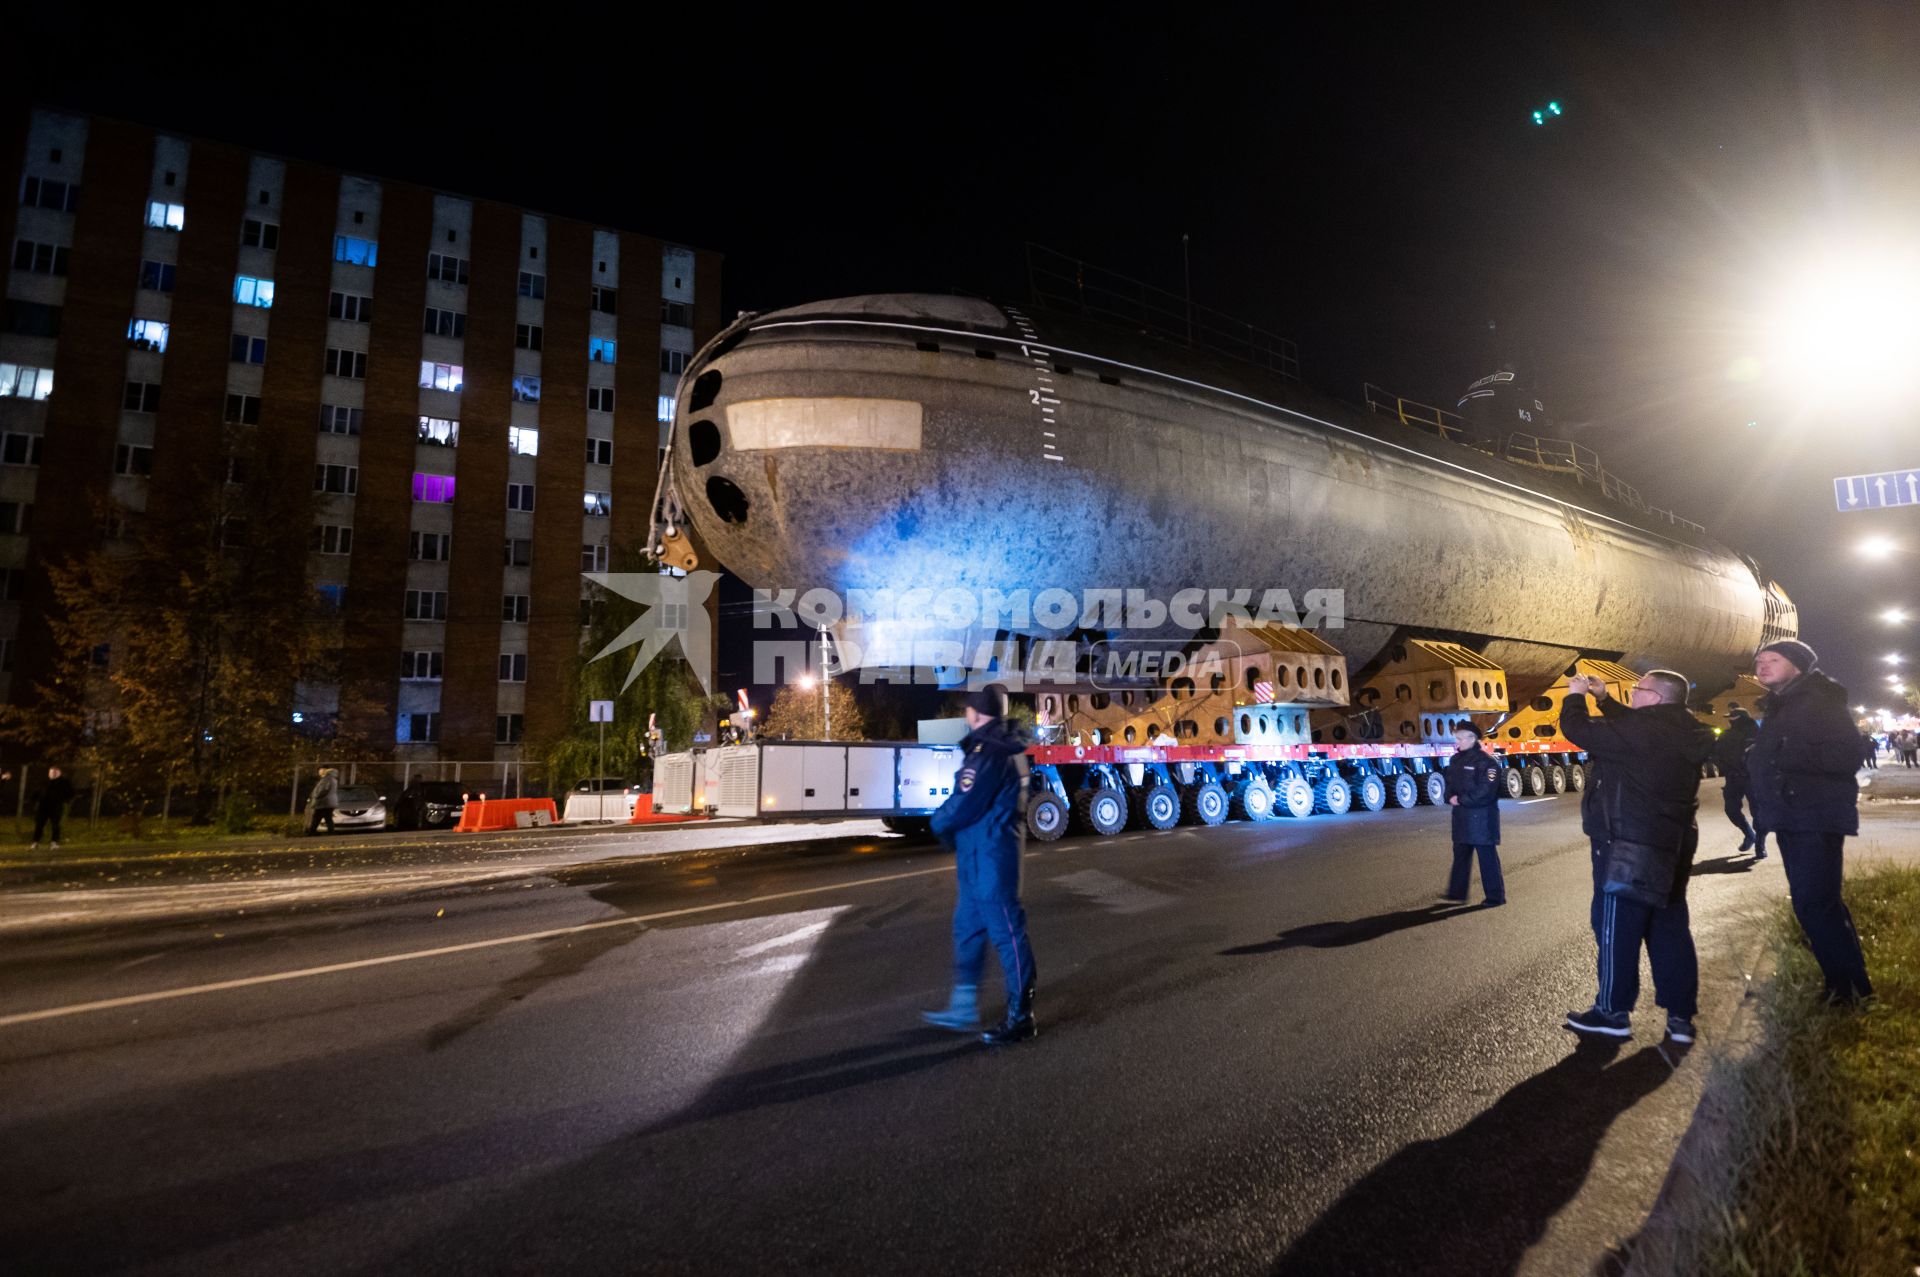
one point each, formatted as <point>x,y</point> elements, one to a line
<point>985,823</point>
<point>1473,791</point>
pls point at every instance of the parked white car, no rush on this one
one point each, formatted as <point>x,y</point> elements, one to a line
<point>360,807</point>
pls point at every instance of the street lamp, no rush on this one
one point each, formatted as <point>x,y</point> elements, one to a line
<point>1893,658</point>
<point>1878,549</point>
<point>1894,616</point>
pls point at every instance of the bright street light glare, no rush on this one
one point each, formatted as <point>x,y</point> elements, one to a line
<point>1893,658</point>
<point>1894,616</point>
<point>1876,548</point>
<point>1843,328</point>
<point>805,682</point>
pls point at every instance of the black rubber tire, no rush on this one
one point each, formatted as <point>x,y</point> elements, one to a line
<point>1100,811</point>
<point>1556,779</point>
<point>1204,804</point>
<point>1333,796</point>
<point>1047,817</point>
<point>1576,777</point>
<point>1536,780</point>
<point>1433,789</point>
<point>1156,807</point>
<point>1405,788</point>
<point>1296,798</point>
<point>1252,806</point>
<point>1371,793</point>
<point>908,825</point>
<point>1513,782</point>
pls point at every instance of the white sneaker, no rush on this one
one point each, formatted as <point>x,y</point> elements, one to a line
<point>33,846</point>
<point>55,846</point>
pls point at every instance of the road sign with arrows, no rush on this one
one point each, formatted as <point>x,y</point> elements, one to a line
<point>1877,491</point>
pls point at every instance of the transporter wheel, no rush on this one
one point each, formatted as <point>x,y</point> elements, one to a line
<point>1433,789</point>
<point>1405,789</point>
<point>1157,807</point>
<point>1297,798</point>
<point>1046,817</point>
<point>1204,804</point>
<point>908,825</point>
<point>1536,780</point>
<point>1556,779</point>
<point>1513,782</point>
<point>1100,811</point>
<point>1333,796</point>
<point>1372,792</point>
<point>1576,776</point>
<point>1252,801</point>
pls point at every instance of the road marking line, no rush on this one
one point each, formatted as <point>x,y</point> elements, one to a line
<point>359,964</point>
<point>1549,798</point>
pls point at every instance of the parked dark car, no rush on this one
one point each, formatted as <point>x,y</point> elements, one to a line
<point>431,804</point>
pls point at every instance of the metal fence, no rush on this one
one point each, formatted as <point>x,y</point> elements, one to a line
<point>1057,281</point>
<point>1562,456</point>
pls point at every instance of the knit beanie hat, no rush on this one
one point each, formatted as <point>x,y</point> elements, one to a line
<point>1802,656</point>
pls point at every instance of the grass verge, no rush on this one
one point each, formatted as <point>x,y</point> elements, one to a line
<point>1817,1169</point>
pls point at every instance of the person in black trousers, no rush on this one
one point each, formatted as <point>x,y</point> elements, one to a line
<point>1730,756</point>
<point>52,806</point>
<point>1473,791</point>
<point>1802,766</point>
<point>1638,811</point>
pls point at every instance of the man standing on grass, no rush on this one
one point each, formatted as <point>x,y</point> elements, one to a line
<point>1638,811</point>
<point>1802,766</point>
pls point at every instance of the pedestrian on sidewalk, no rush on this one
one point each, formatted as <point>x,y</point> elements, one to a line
<point>324,798</point>
<point>1638,811</point>
<point>1870,751</point>
<point>1803,764</point>
<point>984,822</point>
<point>1730,756</point>
<point>51,806</point>
<point>1910,748</point>
<point>1473,792</point>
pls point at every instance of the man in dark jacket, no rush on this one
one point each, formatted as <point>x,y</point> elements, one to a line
<point>52,806</point>
<point>985,823</point>
<point>1730,756</point>
<point>1473,791</point>
<point>1802,766</point>
<point>1641,794</point>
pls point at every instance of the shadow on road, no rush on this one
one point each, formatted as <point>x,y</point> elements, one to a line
<point>1724,865</point>
<point>1473,1202</point>
<point>1334,935</point>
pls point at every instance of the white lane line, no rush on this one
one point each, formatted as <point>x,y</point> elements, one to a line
<point>1549,798</point>
<point>360,964</point>
<point>780,942</point>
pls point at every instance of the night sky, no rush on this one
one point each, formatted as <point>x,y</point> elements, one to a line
<point>1372,185</point>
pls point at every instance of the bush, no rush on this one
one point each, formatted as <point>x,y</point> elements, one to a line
<point>237,816</point>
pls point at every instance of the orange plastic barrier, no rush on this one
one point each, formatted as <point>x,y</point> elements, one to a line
<point>498,813</point>
<point>643,813</point>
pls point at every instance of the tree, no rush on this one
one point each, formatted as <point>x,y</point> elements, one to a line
<point>665,689</point>
<point>797,713</point>
<point>179,645</point>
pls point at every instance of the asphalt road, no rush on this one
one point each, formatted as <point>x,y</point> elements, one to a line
<point>1262,1049</point>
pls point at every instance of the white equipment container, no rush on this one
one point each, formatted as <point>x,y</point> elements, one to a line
<point>806,779</point>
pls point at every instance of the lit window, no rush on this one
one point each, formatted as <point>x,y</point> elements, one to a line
<point>147,334</point>
<point>166,217</point>
<point>666,408</point>
<point>523,441</point>
<point>155,276</point>
<point>526,389</point>
<point>434,488</point>
<point>18,381</point>
<point>359,252</point>
<point>441,376</point>
<point>599,505</point>
<point>249,291</point>
<point>439,430</point>
<point>600,350</point>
